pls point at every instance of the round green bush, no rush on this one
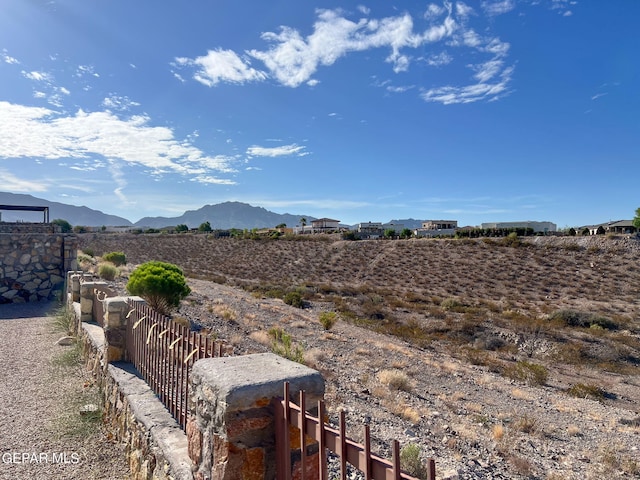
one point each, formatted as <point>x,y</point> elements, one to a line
<point>117,258</point>
<point>161,284</point>
<point>107,271</point>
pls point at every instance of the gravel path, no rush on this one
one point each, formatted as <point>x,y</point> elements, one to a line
<point>42,435</point>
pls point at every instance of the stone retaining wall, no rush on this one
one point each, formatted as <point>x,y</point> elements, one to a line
<point>156,446</point>
<point>34,259</point>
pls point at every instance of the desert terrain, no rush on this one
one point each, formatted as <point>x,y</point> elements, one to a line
<point>500,358</point>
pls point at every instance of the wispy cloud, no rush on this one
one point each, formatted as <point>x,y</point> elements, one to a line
<point>221,65</point>
<point>14,184</point>
<point>498,8</point>
<point>6,58</point>
<point>281,151</point>
<point>119,103</point>
<point>32,132</point>
<point>292,59</point>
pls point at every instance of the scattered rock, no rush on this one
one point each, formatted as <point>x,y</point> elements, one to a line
<point>66,341</point>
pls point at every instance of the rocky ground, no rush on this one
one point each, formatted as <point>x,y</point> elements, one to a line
<point>448,394</point>
<point>475,423</point>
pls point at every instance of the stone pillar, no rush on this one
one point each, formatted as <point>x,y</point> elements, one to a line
<point>73,285</point>
<point>230,430</point>
<point>115,328</point>
<point>86,301</point>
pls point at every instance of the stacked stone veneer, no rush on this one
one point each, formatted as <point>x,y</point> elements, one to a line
<point>230,432</point>
<point>35,258</point>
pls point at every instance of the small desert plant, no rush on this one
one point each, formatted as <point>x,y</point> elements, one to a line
<point>107,271</point>
<point>328,319</point>
<point>511,240</point>
<point>294,299</point>
<point>283,345</point>
<point>410,461</point>
<point>117,258</point>
<point>63,320</point>
<point>182,321</point>
<point>526,424</point>
<point>451,304</point>
<point>587,390</point>
<point>161,284</point>
<point>395,379</point>
<point>530,373</point>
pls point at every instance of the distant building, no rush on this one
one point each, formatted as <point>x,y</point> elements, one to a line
<point>370,230</point>
<point>538,227</point>
<point>324,224</point>
<point>321,225</point>
<point>619,226</point>
<point>433,228</point>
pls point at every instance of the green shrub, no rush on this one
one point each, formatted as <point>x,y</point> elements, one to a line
<point>283,345</point>
<point>328,319</point>
<point>294,299</point>
<point>575,318</point>
<point>451,304</point>
<point>117,258</point>
<point>587,390</point>
<point>161,284</point>
<point>107,271</point>
<point>410,461</point>
<point>530,373</point>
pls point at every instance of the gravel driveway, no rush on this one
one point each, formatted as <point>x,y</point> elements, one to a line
<point>42,435</point>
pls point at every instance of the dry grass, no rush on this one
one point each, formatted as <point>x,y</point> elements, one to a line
<point>459,292</point>
<point>395,380</point>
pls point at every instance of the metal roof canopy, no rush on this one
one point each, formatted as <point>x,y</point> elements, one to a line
<point>28,208</point>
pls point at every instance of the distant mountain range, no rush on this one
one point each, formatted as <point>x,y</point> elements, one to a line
<point>227,215</point>
<point>221,216</point>
<point>74,215</point>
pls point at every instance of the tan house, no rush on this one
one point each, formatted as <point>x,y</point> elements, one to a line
<point>433,228</point>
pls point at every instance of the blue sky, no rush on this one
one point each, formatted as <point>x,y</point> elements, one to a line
<point>478,111</point>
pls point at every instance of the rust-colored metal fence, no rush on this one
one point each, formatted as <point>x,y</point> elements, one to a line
<point>163,352</point>
<point>336,441</point>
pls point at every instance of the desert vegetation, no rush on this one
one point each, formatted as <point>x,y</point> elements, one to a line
<point>573,300</point>
<point>491,344</point>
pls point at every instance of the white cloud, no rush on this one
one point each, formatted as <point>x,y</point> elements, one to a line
<point>434,11</point>
<point>42,133</point>
<point>498,8</point>
<point>292,59</point>
<point>464,10</point>
<point>282,151</point>
<point>119,103</point>
<point>470,93</point>
<point>37,76</point>
<point>486,71</point>
<point>439,59</point>
<point>14,184</point>
<point>221,65</point>
<point>6,58</point>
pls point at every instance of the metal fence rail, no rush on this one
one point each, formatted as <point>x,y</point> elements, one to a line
<point>163,352</point>
<point>336,441</point>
